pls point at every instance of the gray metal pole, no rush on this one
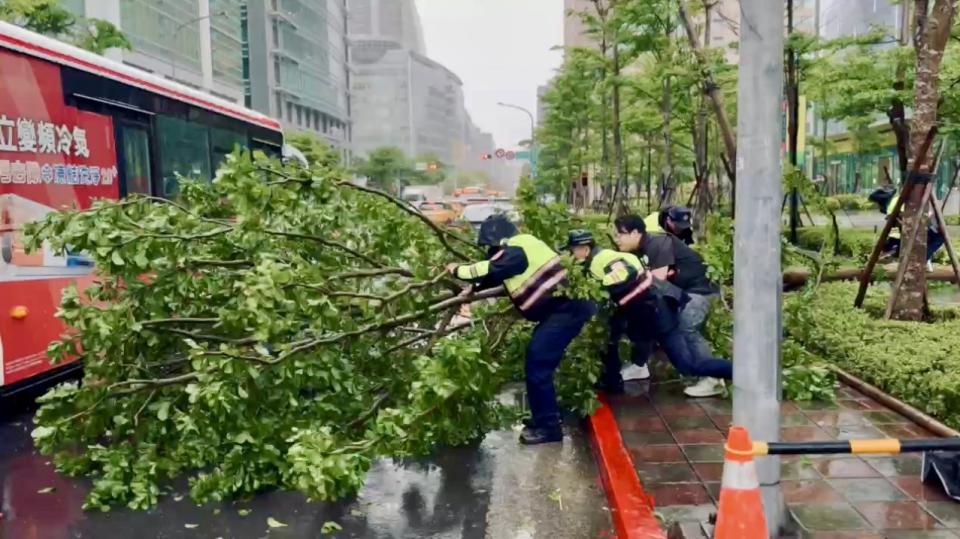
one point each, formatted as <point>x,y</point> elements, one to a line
<point>757,273</point>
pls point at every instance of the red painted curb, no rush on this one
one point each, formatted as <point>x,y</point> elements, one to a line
<point>631,506</point>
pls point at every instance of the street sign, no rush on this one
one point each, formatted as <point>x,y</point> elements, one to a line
<point>510,155</point>
<point>500,153</point>
<point>523,154</point>
<point>420,167</point>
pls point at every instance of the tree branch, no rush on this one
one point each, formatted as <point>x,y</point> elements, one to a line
<point>328,243</point>
<point>441,233</point>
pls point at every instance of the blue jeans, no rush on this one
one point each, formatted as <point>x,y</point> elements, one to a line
<point>935,241</point>
<point>551,337</point>
<point>675,343</point>
<point>692,318</point>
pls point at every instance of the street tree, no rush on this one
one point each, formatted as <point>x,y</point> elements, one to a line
<point>280,327</point>
<point>48,17</point>
<point>387,168</point>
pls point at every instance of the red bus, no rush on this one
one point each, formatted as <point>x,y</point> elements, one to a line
<point>75,127</point>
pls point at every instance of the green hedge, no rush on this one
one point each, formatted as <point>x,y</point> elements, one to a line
<point>850,203</point>
<point>855,243</point>
<point>953,220</point>
<point>916,362</point>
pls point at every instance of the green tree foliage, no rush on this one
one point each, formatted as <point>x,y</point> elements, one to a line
<point>387,168</point>
<point>314,149</point>
<point>436,172</point>
<point>41,16</point>
<point>99,36</point>
<point>651,59</point>
<point>279,327</point>
<point>49,18</point>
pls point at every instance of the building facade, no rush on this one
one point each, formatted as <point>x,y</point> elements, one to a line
<point>403,98</point>
<point>391,21</point>
<point>296,67</point>
<point>574,31</point>
<point>195,42</point>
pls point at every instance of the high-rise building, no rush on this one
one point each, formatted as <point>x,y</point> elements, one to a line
<point>402,98</point>
<point>839,18</point>
<point>574,31</point>
<point>195,42</point>
<point>391,21</point>
<point>296,66</point>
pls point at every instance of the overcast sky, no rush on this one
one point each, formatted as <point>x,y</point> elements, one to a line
<point>501,51</point>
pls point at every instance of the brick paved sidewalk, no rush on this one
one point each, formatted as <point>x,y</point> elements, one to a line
<point>676,444</point>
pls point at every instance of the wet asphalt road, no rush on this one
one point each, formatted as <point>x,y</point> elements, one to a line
<point>495,489</point>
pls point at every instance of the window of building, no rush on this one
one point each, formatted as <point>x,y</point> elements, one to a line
<point>289,111</point>
<point>299,115</point>
<point>184,152</point>
<point>279,111</point>
<point>275,32</point>
<point>276,73</point>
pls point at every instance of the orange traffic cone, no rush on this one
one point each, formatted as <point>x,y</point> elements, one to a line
<point>741,510</point>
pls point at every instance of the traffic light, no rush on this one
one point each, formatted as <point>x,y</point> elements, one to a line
<point>486,156</point>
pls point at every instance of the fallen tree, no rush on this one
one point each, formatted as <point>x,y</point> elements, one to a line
<point>799,276</point>
<point>280,327</point>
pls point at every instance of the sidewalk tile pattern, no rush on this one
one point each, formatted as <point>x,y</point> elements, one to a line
<point>677,448</point>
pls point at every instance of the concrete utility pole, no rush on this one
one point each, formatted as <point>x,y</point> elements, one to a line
<point>757,274</point>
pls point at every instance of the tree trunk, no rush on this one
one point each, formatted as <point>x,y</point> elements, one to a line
<point>666,174</point>
<point>617,140</point>
<point>930,39</point>
<point>793,119</point>
<point>711,88</point>
<point>602,12</point>
<point>701,140</point>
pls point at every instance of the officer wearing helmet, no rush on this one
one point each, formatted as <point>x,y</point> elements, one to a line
<point>647,308</point>
<point>532,274</point>
<point>675,220</point>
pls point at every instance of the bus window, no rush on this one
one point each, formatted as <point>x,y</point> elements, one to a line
<point>222,143</point>
<point>135,148</point>
<point>184,150</point>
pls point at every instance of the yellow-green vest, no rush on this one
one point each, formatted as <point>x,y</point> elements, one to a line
<point>542,276</point>
<point>612,268</point>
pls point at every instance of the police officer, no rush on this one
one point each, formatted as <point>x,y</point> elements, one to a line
<point>650,309</point>
<point>886,198</point>
<point>531,272</point>
<point>676,220</point>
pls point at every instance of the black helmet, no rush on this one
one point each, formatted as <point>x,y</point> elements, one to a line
<point>579,237</point>
<point>882,197</point>
<point>494,230</point>
<point>681,216</point>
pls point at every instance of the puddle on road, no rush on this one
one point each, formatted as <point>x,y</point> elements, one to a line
<point>445,496</point>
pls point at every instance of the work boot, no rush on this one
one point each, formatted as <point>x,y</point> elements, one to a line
<point>635,372</point>
<point>529,422</point>
<point>541,435</point>
<point>706,387</point>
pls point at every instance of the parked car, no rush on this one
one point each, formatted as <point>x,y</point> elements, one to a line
<point>476,214</point>
<point>440,213</point>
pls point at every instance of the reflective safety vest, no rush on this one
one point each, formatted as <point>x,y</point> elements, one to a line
<point>653,223</point>
<point>895,231</point>
<point>543,275</point>
<point>622,274</point>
